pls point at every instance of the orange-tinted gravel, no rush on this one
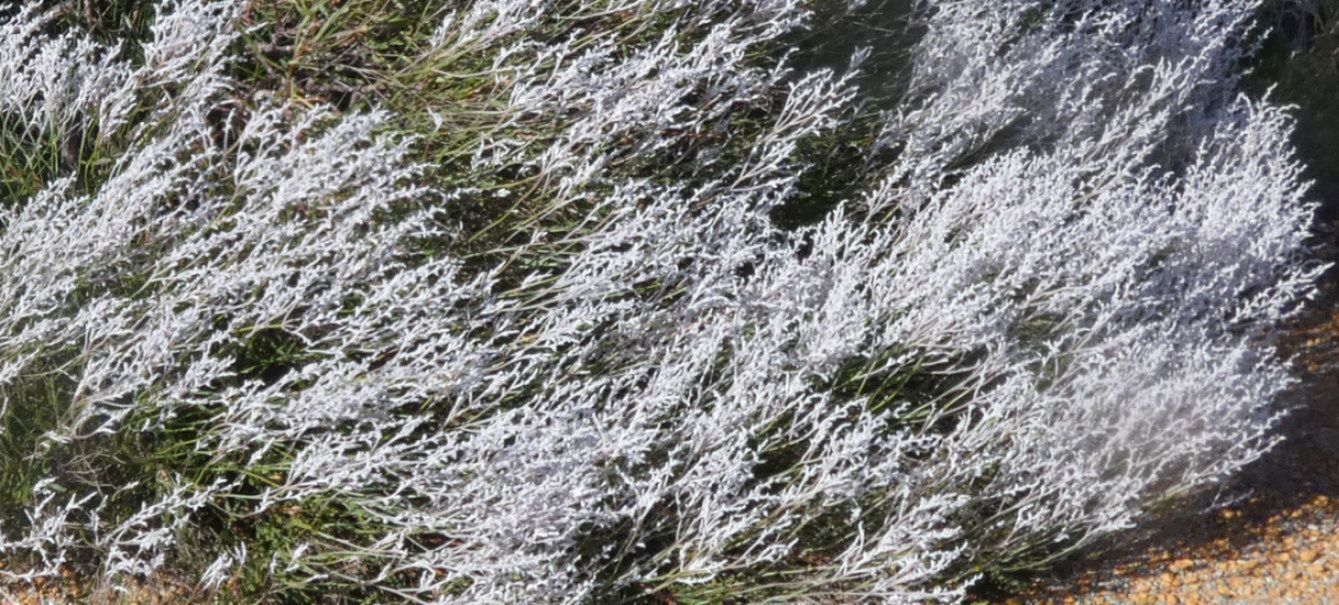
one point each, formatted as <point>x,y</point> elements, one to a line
<point>1288,558</point>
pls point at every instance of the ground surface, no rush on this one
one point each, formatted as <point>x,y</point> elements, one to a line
<point>1287,557</point>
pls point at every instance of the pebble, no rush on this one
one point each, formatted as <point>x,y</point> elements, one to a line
<point>1277,561</point>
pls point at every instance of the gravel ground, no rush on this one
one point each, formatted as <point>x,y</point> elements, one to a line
<point>1291,557</point>
<point>69,590</point>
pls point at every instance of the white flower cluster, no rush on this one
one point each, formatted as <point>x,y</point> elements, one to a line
<point>1048,305</point>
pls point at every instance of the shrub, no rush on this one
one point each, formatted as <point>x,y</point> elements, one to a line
<point>518,322</point>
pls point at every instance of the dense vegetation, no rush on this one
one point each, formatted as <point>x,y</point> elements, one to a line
<point>600,301</point>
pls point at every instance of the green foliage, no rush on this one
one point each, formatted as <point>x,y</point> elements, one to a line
<point>35,407</point>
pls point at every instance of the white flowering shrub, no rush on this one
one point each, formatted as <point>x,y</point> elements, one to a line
<point>556,346</point>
